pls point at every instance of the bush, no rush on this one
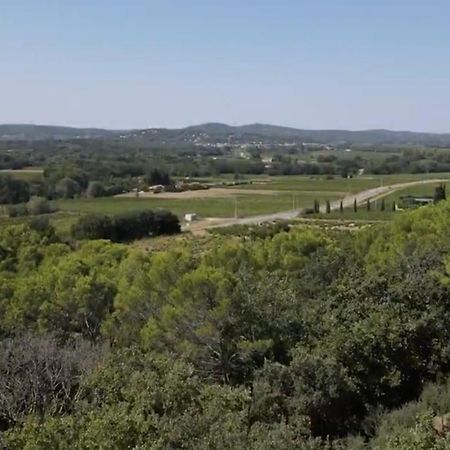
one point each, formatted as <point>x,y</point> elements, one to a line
<point>39,205</point>
<point>95,189</point>
<point>35,207</point>
<point>92,226</point>
<point>18,210</point>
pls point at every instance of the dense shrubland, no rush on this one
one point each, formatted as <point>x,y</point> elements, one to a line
<point>290,340</point>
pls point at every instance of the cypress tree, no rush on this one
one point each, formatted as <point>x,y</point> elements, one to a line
<point>316,206</point>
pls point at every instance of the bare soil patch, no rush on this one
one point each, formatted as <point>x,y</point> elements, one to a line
<point>203,193</point>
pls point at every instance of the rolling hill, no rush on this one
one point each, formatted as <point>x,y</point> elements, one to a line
<point>218,132</point>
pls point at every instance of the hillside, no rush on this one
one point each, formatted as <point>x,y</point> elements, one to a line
<point>211,133</point>
<point>38,132</point>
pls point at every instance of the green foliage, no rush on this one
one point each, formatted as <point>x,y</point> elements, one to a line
<point>13,190</point>
<point>304,338</point>
<point>440,193</point>
<point>95,189</point>
<point>34,207</point>
<point>125,227</point>
<point>67,188</point>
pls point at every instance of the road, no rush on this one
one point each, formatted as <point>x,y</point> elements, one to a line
<point>348,201</point>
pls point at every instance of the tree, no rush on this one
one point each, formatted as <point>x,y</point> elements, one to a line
<point>383,205</point>
<point>95,189</point>
<point>39,205</point>
<point>355,206</point>
<point>316,207</point>
<point>13,190</point>
<point>67,188</point>
<point>341,207</point>
<point>328,207</point>
<point>368,204</point>
<point>156,177</point>
<point>440,193</point>
<point>37,376</point>
<point>126,226</point>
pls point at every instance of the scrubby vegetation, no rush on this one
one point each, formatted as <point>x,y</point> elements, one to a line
<point>296,338</point>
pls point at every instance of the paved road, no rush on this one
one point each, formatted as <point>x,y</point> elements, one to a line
<point>360,197</point>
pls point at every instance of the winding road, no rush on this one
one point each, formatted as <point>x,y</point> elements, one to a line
<point>360,197</point>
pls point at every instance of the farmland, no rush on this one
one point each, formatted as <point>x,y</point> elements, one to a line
<point>286,193</point>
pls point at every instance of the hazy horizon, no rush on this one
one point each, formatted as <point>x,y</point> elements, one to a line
<point>222,123</point>
<point>336,65</point>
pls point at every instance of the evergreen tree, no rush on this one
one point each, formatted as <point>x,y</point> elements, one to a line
<point>316,207</point>
<point>440,193</point>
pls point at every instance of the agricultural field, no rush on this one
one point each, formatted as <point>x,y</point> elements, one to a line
<point>27,174</point>
<point>285,193</point>
<point>261,196</point>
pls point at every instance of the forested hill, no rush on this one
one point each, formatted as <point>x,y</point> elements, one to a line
<point>216,132</point>
<point>38,132</point>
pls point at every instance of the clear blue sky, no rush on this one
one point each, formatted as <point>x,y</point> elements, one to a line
<point>352,64</point>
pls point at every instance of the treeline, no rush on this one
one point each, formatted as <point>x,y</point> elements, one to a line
<point>300,338</point>
<point>126,226</point>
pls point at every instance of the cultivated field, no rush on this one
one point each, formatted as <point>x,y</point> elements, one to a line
<point>265,195</point>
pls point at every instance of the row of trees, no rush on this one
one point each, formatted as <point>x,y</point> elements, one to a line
<point>126,226</point>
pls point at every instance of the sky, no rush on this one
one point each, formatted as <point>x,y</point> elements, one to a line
<point>320,64</point>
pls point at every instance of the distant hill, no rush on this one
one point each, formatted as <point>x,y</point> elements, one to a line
<point>38,132</point>
<point>218,132</point>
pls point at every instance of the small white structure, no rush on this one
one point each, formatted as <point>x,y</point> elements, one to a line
<point>190,217</point>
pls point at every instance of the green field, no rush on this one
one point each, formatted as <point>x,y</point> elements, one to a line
<point>335,184</point>
<point>30,174</point>
<point>246,205</point>
<point>292,191</point>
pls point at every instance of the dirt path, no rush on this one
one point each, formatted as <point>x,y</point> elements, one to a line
<point>369,194</point>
